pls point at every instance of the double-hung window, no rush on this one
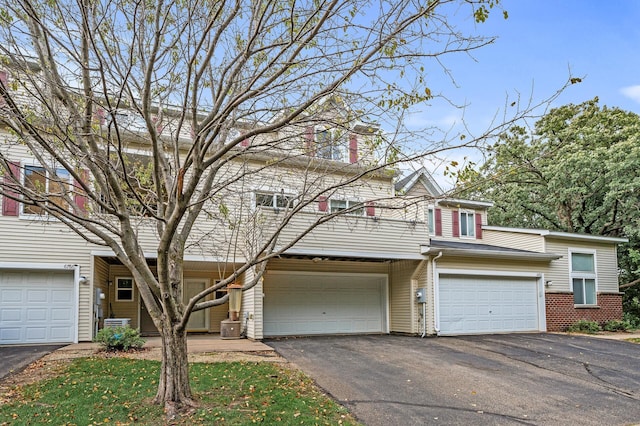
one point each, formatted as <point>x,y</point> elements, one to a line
<point>356,207</point>
<point>431,220</point>
<point>52,184</point>
<point>276,200</point>
<point>331,144</point>
<point>583,278</point>
<point>467,224</point>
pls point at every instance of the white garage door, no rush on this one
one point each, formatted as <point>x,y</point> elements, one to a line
<point>37,307</point>
<point>305,304</point>
<point>480,304</point>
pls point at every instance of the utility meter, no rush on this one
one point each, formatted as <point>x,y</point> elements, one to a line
<point>421,295</point>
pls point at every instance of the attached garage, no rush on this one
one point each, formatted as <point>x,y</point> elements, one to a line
<point>476,304</point>
<point>324,303</point>
<point>37,306</point>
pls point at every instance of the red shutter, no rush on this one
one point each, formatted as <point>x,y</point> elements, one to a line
<point>370,209</point>
<point>322,203</point>
<point>79,196</point>
<point>3,80</point>
<point>438,220</point>
<point>478,218</point>
<point>99,115</point>
<point>455,218</point>
<point>10,207</point>
<point>244,143</point>
<point>353,148</point>
<point>309,141</point>
<point>158,123</point>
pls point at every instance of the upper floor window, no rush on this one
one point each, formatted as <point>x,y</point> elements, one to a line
<point>332,144</point>
<point>54,184</point>
<point>431,220</point>
<point>583,278</point>
<point>467,224</point>
<point>276,200</point>
<point>356,207</point>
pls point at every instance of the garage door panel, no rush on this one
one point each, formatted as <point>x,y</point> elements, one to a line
<point>37,307</point>
<point>471,304</point>
<point>300,304</point>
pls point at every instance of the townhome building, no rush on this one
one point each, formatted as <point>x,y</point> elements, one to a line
<point>372,254</point>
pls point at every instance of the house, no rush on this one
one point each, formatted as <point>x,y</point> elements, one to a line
<point>432,267</point>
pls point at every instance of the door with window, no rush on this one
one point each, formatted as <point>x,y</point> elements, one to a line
<point>199,320</point>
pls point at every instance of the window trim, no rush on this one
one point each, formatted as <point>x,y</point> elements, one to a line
<point>117,288</point>
<point>581,275</point>
<point>471,229</point>
<point>274,199</point>
<point>339,143</point>
<point>26,164</point>
<point>431,219</point>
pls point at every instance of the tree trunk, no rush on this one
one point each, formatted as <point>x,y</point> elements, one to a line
<point>174,390</point>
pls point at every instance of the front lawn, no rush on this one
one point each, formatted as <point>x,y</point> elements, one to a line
<point>118,391</point>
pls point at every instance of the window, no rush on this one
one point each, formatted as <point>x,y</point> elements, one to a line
<point>276,200</point>
<point>53,186</point>
<point>467,224</point>
<point>583,278</point>
<point>336,206</point>
<point>431,220</point>
<point>332,145</point>
<point>124,289</point>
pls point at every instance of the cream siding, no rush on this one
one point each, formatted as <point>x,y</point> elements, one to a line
<point>402,306</point>
<point>252,307</point>
<point>484,264</point>
<point>606,264</point>
<point>516,240</point>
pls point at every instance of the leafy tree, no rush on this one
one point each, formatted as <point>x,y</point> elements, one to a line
<point>577,171</point>
<point>217,92</point>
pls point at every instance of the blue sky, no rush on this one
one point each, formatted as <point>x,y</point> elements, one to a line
<point>540,43</point>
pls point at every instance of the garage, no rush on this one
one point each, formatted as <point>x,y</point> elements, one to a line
<point>37,307</point>
<point>472,304</point>
<point>324,303</point>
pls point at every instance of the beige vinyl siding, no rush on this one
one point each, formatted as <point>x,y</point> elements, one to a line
<point>516,240</point>
<point>384,237</point>
<point>606,264</point>
<point>296,265</point>
<point>252,304</point>
<point>483,264</point>
<point>123,309</point>
<point>401,300</point>
<point>101,281</point>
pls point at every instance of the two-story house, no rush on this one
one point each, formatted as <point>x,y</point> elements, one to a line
<point>431,267</point>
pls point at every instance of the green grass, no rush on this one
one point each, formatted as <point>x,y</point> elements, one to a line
<point>633,340</point>
<point>119,390</point>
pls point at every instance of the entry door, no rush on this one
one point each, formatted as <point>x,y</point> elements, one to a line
<point>199,321</point>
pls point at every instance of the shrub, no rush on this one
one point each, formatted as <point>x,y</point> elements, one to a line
<point>119,338</point>
<point>632,320</point>
<point>616,325</point>
<point>584,326</point>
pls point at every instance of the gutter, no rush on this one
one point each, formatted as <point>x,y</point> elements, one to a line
<point>513,255</point>
<point>436,316</point>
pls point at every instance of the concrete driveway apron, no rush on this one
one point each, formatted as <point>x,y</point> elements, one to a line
<point>498,379</point>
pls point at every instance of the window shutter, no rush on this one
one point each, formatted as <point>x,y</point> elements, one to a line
<point>158,122</point>
<point>79,196</point>
<point>455,218</point>
<point>244,143</point>
<point>10,207</point>
<point>370,209</point>
<point>438,222</point>
<point>353,148</point>
<point>322,203</point>
<point>478,218</point>
<point>309,141</point>
<point>99,115</point>
<point>3,80</point>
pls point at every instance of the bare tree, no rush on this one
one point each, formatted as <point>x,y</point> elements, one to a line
<point>161,112</point>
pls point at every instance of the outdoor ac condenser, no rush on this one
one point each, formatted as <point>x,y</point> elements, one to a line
<point>116,322</point>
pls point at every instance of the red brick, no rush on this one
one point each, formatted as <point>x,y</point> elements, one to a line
<point>561,312</point>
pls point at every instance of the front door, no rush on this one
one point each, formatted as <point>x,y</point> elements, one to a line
<point>199,320</point>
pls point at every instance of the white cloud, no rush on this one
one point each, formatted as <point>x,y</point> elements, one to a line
<point>632,92</point>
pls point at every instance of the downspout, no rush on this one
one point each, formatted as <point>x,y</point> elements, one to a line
<point>414,279</point>
<point>436,318</point>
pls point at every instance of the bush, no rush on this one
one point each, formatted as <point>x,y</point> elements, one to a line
<point>632,320</point>
<point>584,326</point>
<point>119,338</point>
<point>616,325</point>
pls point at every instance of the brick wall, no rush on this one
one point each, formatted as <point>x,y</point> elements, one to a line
<point>561,313</point>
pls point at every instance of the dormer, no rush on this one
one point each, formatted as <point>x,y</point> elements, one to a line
<point>456,218</point>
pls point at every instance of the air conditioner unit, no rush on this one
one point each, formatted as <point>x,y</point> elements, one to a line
<point>116,322</point>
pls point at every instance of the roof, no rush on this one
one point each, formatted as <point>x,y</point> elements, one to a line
<point>458,248</point>
<point>423,176</point>
<point>558,234</point>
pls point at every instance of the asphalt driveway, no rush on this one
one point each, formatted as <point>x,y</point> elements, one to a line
<point>16,358</point>
<point>527,379</point>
